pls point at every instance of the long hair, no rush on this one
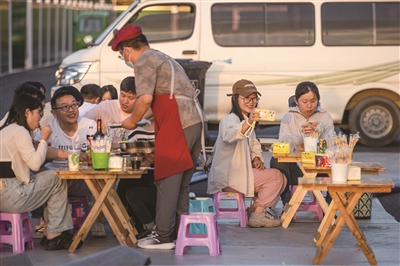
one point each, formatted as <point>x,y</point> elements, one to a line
<point>18,107</point>
<point>235,107</point>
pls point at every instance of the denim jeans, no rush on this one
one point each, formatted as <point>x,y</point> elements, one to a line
<point>46,189</point>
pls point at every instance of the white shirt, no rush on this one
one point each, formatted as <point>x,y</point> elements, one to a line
<point>85,107</point>
<point>62,141</point>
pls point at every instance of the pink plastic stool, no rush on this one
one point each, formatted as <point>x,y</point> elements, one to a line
<point>309,206</point>
<point>237,213</point>
<point>185,238</point>
<point>21,231</point>
<point>79,211</point>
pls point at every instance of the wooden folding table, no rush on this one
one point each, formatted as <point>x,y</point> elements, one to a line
<point>344,197</point>
<point>101,184</point>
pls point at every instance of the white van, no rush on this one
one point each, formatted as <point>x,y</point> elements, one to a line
<point>349,49</point>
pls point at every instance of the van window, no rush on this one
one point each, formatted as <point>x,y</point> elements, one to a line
<point>360,24</point>
<point>165,22</point>
<point>262,24</point>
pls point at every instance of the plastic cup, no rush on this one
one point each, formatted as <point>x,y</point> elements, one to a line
<point>310,144</point>
<point>73,160</point>
<point>339,172</point>
<point>100,160</point>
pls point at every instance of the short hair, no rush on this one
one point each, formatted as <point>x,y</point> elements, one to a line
<point>128,85</point>
<point>305,87</point>
<point>18,107</point>
<point>111,89</point>
<point>91,91</point>
<point>66,90</point>
<point>136,43</point>
<point>28,88</point>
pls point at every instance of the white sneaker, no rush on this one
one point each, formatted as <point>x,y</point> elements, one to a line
<point>98,230</point>
<point>156,242</point>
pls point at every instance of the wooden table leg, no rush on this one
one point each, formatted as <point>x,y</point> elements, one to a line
<point>329,219</point>
<point>112,212</point>
<point>293,205</point>
<point>346,207</point>
<point>120,211</point>
<point>354,228</point>
<point>100,196</point>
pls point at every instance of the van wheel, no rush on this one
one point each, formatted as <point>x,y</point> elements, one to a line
<point>377,119</point>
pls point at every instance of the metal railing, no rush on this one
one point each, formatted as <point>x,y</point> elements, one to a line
<point>37,33</point>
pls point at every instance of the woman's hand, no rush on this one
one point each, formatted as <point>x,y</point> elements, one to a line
<point>254,116</point>
<point>309,128</point>
<point>45,132</point>
<point>258,164</point>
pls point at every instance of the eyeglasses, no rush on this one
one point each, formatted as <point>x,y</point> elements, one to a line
<point>66,108</point>
<point>250,100</point>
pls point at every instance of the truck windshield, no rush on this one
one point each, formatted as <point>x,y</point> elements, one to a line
<point>114,23</point>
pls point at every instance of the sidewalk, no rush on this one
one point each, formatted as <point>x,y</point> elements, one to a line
<point>256,246</point>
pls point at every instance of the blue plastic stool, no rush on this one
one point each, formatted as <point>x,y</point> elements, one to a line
<point>200,205</point>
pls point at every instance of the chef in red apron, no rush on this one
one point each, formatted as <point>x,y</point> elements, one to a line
<point>163,86</point>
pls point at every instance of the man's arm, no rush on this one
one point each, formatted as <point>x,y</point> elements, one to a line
<point>142,104</point>
<point>53,153</point>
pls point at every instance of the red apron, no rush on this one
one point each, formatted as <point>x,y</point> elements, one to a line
<point>171,153</point>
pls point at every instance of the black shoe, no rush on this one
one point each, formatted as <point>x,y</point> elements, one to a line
<point>62,241</point>
<point>145,234</point>
<point>43,241</point>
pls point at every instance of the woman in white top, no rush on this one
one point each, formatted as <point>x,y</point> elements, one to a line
<point>238,164</point>
<point>305,113</point>
<point>19,190</point>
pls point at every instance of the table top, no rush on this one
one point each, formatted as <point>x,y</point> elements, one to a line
<point>288,157</point>
<point>90,173</point>
<point>364,182</point>
<point>365,166</point>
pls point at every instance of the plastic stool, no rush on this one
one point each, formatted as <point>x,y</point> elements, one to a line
<point>309,206</point>
<point>200,205</point>
<point>238,213</point>
<point>185,238</point>
<point>79,210</point>
<point>21,231</point>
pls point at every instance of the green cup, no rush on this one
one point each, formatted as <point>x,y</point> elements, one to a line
<point>100,160</point>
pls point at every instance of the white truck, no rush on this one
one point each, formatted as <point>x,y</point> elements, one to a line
<point>349,49</point>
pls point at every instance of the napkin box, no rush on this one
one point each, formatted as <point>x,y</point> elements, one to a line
<point>281,147</point>
<point>115,162</point>
<point>354,173</point>
<point>308,157</point>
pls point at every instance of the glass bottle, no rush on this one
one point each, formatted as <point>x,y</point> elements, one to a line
<point>98,133</point>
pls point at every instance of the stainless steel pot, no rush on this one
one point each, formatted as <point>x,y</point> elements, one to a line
<point>137,146</point>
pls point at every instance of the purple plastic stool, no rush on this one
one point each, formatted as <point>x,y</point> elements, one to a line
<point>238,213</point>
<point>185,238</point>
<point>79,211</point>
<point>309,206</point>
<point>20,233</point>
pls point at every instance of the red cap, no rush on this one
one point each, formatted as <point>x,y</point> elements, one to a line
<point>126,33</point>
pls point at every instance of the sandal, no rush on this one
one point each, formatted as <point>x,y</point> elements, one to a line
<point>62,241</point>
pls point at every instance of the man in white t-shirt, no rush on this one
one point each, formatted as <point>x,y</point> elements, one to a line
<point>69,132</point>
<point>91,94</point>
<point>116,111</point>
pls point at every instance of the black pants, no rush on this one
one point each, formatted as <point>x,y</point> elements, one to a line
<point>124,185</point>
<point>292,172</point>
<point>143,201</point>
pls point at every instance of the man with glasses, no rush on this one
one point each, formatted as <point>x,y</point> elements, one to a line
<point>69,132</point>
